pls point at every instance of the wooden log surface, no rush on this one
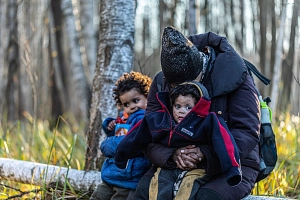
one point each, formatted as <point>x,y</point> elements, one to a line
<point>41,174</point>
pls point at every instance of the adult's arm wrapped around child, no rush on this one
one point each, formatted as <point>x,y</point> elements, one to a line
<point>132,144</point>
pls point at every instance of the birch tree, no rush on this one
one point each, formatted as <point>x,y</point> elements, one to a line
<point>277,65</point>
<point>288,63</point>
<point>192,27</point>
<point>89,35</point>
<point>41,174</point>
<point>115,56</point>
<point>76,66</point>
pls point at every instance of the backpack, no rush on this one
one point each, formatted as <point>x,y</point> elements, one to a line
<point>267,143</point>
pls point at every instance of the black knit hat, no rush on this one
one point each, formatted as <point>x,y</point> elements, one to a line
<point>180,59</point>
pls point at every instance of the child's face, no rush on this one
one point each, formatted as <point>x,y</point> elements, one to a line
<point>132,101</point>
<point>182,106</point>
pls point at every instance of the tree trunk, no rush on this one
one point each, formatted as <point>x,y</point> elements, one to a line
<point>263,39</point>
<point>226,24</point>
<point>115,56</point>
<point>59,90</point>
<point>288,63</point>
<point>240,33</point>
<point>76,66</point>
<point>254,20</point>
<point>277,65</point>
<point>295,96</point>
<point>13,64</point>
<point>89,35</point>
<point>40,174</point>
<point>162,16</point>
<point>25,76</point>
<point>192,27</point>
<point>4,52</point>
<point>273,45</point>
<point>207,14</point>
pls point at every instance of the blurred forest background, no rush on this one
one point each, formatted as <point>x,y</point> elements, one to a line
<point>59,60</point>
<point>62,57</point>
<point>48,49</point>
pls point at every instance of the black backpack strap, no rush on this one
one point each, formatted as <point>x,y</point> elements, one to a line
<point>252,68</point>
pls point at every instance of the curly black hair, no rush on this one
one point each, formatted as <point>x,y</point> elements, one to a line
<point>184,90</point>
<point>128,81</point>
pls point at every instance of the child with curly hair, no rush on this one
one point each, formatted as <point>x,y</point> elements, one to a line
<point>130,94</point>
<point>186,122</point>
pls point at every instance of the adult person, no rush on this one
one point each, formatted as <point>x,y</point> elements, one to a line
<point>191,124</point>
<point>223,72</point>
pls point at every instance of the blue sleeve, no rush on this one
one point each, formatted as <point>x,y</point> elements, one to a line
<point>109,146</point>
<point>105,125</point>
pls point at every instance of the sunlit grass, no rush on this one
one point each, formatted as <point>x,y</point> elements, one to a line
<point>284,181</point>
<point>63,145</point>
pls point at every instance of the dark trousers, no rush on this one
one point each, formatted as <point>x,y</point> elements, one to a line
<point>105,191</point>
<point>216,188</point>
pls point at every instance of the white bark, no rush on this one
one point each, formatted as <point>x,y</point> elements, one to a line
<point>277,64</point>
<point>115,56</point>
<point>41,174</point>
<point>89,35</point>
<point>115,51</point>
<point>79,80</point>
<point>192,17</point>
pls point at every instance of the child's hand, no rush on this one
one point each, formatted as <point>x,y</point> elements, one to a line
<point>111,125</point>
<point>187,157</point>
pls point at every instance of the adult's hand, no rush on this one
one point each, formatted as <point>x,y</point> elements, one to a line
<point>188,157</point>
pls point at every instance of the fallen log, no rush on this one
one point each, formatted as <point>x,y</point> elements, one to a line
<point>49,175</point>
<point>41,174</point>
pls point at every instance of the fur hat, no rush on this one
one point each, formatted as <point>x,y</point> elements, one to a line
<point>180,59</point>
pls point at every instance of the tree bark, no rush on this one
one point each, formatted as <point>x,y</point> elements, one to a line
<point>274,27</point>
<point>76,66</point>
<point>254,20</point>
<point>192,27</point>
<point>13,64</point>
<point>288,63</point>
<point>277,65</point>
<point>25,77</point>
<point>59,87</point>
<point>115,56</point>
<point>4,53</point>
<point>89,35</point>
<point>263,39</point>
<point>41,174</point>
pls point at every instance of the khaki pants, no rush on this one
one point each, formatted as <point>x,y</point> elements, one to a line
<point>165,181</point>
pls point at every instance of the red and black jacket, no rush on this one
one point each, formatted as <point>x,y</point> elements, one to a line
<point>199,127</point>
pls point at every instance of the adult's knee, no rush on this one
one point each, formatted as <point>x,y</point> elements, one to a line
<point>142,189</point>
<point>207,194</point>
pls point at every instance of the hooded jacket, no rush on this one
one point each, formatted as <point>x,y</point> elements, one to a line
<point>233,97</point>
<point>137,166</point>
<point>199,127</point>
